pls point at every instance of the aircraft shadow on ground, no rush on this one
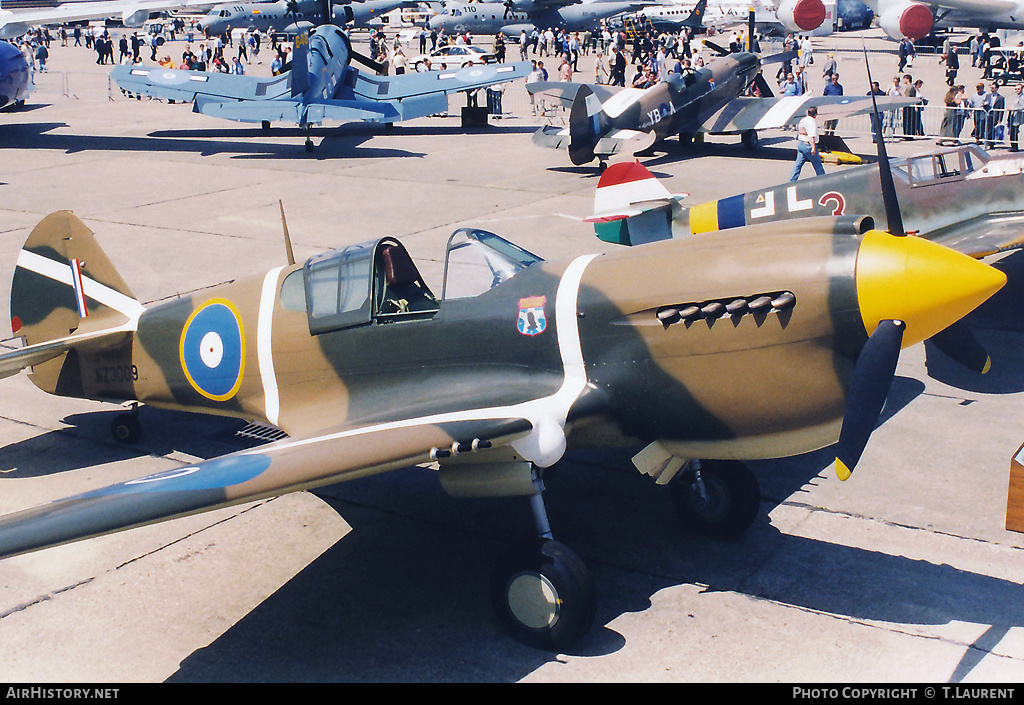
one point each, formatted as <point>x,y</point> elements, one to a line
<point>403,597</point>
<point>87,442</point>
<point>999,326</point>
<point>241,143</point>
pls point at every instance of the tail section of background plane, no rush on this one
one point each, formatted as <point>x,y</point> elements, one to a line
<point>300,65</point>
<point>66,297</point>
<point>587,124</point>
<point>631,206</point>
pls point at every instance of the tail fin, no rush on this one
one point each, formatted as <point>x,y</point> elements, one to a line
<point>696,18</point>
<point>588,123</point>
<point>632,207</point>
<point>65,293</point>
<point>300,65</point>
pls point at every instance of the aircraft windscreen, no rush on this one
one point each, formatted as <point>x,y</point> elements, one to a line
<point>478,260</point>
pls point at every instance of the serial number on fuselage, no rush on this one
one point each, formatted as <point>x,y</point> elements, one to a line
<point>117,374</point>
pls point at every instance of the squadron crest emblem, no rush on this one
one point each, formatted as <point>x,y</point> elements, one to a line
<point>532,320</point>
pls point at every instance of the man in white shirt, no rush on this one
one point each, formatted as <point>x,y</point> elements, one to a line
<point>807,145</point>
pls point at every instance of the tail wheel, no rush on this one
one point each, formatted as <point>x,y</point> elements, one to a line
<point>543,594</point>
<point>728,504</point>
<point>126,429</point>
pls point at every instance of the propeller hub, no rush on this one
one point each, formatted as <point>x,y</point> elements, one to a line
<point>928,286</point>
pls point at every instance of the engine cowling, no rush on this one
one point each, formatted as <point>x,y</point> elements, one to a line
<point>906,19</point>
<point>801,15</point>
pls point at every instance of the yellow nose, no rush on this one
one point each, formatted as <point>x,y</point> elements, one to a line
<point>924,284</point>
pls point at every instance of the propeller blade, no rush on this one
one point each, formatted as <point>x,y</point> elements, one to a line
<point>959,344</point>
<point>892,206</point>
<point>714,47</point>
<point>367,61</point>
<point>869,386</point>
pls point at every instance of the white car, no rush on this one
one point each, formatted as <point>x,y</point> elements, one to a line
<point>454,56</point>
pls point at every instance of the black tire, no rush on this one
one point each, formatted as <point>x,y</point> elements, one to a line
<point>733,499</point>
<point>750,140</point>
<point>543,595</point>
<point>126,429</point>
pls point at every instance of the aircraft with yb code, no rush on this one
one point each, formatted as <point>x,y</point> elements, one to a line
<point>320,85</point>
<point>516,360</point>
<point>604,120</point>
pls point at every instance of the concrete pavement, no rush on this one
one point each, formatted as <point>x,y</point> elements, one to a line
<point>903,574</point>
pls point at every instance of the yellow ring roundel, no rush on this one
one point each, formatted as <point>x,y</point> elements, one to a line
<point>212,349</point>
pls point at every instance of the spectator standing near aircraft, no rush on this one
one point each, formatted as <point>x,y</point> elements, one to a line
<point>807,145</point>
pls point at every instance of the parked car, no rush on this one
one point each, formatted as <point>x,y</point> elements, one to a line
<point>454,56</point>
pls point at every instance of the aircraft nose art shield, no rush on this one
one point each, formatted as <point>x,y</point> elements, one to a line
<point>212,349</point>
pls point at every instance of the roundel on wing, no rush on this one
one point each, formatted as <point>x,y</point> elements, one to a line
<point>212,349</point>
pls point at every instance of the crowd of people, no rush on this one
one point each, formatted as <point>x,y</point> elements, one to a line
<point>650,57</point>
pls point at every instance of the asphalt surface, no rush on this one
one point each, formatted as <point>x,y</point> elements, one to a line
<point>903,574</point>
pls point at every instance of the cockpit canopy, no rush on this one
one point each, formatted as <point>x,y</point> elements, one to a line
<point>377,281</point>
<point>951,165</point>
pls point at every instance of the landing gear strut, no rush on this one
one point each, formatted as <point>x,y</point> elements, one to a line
<point>541,590</point>
<point>717,499</point>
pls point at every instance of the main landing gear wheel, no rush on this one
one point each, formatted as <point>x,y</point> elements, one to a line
<point>543,594</point>
<point>126,429</point>
<point>309,145</point>
<point>717,499</point>
<point>750,140</point>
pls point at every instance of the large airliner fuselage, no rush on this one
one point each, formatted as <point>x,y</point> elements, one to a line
<point>494,17</point>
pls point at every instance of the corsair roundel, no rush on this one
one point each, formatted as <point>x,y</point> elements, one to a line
<point>702,352</point>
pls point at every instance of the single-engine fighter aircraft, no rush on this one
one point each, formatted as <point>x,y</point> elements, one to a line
<point>15,77</point>
<point>757,342</point>
<point>961,197</point>
<point>604,119</point>
<point>321,85</point>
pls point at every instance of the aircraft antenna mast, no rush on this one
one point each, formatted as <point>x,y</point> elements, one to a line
<point>287,237</point>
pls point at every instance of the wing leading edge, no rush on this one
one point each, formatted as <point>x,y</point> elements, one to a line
<point>285,466</point>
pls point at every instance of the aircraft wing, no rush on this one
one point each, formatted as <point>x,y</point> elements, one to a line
<point>133,12</point>
<point>285,466</point>
<point>411,85</point>
<point>767,113</point>
<point>982,236</point>
<point>186,86</point>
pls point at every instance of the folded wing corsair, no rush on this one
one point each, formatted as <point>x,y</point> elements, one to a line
<point>320,85</point>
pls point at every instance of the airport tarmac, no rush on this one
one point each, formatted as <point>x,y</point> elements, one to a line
<point>903,574</point>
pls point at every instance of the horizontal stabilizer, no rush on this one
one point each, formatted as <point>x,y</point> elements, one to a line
<point>632,207</point>
<point>14,361</point>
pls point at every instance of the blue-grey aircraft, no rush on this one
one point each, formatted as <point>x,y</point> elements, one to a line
<point>320,86</point>
<point>15,77</point>
<point>511,18</point>
<point>289,16</point>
